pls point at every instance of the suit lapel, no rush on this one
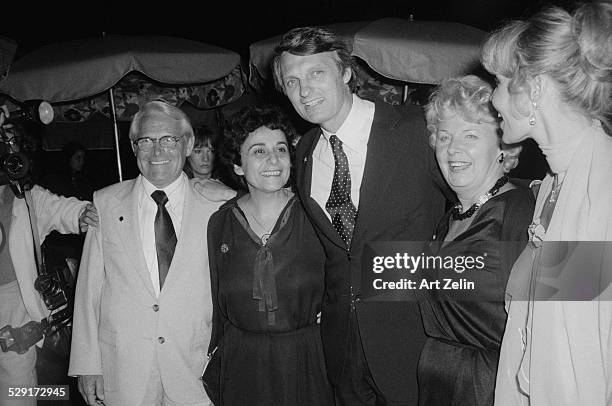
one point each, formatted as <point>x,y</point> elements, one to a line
<point>304,183</point>
<point>384,151</point>
<point>125,217</point>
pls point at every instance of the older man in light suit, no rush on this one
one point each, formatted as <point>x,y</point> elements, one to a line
<point>143,305</point>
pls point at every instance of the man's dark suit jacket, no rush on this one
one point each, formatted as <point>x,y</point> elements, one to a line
<point>399,201</point>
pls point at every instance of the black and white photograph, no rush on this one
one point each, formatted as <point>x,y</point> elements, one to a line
<point>332,203</point>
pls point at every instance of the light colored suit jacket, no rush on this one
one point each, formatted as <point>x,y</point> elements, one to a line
<point>52,212</point>
<point>120,327</point>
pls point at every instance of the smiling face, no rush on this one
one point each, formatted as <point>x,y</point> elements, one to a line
<point>514,111</point>
<point>202,161</point>
<point>316,87</point>
<point>468,155</point>
<point>266,163</point>
<point>162,166</point>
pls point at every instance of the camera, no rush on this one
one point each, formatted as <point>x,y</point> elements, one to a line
<point>51,290</point>
<point>20,339</point>
<point>54,286</point>
<point>14,164</point>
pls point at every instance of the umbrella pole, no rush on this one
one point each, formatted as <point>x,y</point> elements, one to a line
<point>405,93</point>
<point>116,130</point>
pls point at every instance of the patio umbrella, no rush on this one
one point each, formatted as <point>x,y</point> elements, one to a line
<point>425,52</point>
<point>74,70</point>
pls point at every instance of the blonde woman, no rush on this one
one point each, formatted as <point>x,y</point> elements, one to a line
<point>554,75</point>
<point>458,362</point>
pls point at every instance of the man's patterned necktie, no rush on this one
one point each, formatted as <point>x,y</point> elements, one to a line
<point>339,205</point>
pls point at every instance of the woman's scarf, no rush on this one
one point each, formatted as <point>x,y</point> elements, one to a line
<point>558,351</point>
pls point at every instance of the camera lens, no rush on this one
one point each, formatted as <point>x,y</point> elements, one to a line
<point>46,285</point>
<point>16,165</point>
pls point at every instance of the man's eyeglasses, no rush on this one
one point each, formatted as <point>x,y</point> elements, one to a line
<point>145,144</point>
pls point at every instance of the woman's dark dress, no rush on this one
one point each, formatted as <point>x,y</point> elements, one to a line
<point>272,353</point>
<point>459,360</point>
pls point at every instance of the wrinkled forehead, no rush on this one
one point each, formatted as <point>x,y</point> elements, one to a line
<point>457,121</point>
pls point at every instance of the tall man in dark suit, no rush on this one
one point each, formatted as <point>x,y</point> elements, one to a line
<point>365,174</point>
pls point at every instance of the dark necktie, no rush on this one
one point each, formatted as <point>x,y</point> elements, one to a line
<point>339,205</point>
<point>165,238</point>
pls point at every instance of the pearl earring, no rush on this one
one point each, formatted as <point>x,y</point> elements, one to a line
<point>532,119</point>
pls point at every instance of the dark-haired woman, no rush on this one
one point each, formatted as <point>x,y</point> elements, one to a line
<point>267,272</point>
<point>70,180</point>
<point>204,170</point>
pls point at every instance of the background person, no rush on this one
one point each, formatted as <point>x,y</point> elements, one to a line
<point>269,264</point>
<point>364,173</point>
<point>143,313</point>
<point>204,168</point>
<point>555,86</point>
<point>69,181</point>
<point>458,363</point>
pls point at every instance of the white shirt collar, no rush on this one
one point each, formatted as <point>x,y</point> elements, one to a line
<point>173,190</point>
<point>350,132</point>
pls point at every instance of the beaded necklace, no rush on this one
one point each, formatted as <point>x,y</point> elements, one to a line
<point>458,215</point>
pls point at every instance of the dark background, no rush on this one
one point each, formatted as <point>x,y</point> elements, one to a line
<point>234,25</point>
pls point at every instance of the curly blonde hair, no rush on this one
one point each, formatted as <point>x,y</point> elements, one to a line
<point>470,98</point>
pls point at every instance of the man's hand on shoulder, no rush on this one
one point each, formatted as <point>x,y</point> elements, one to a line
<point>91,388</point>
<point>88,218</point>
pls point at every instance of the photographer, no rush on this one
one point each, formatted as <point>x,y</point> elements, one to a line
<point>20,302</point>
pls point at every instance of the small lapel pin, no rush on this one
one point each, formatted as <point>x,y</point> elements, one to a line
<point>121,218</point>
<point>305,159</point>
<point>224,248</point>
